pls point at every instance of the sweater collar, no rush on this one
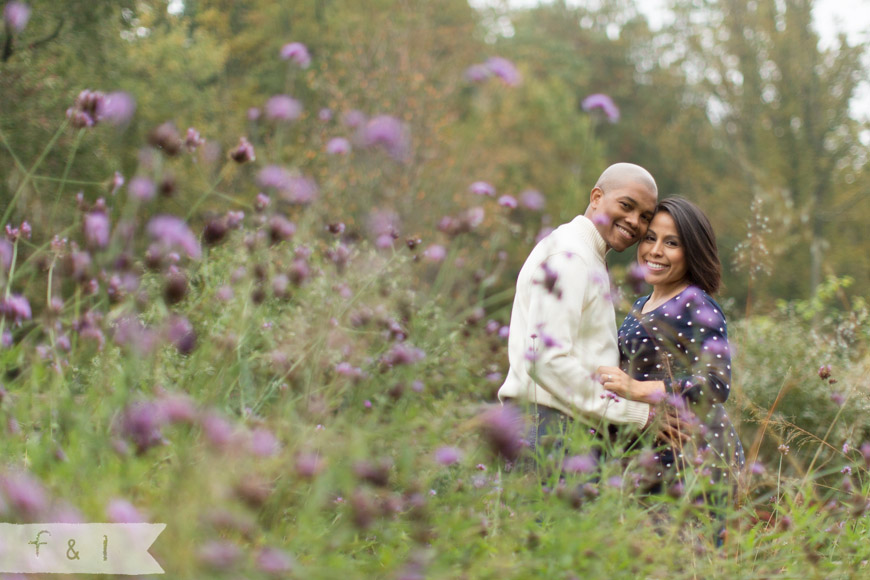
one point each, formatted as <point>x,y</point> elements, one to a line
<point>587,232</point>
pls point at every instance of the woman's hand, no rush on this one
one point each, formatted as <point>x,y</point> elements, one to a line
<point>618,382</point>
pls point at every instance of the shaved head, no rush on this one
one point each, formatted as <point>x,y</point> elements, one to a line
<point>620,175</point>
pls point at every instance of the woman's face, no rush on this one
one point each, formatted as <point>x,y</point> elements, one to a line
<point>661,254</point>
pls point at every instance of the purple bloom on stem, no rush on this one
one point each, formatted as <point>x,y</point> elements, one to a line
<point>482,188</point>
<point>217,430</point>
<point>121,511</point>
<point>473,217</point>
<point>389,133</point>
<point>117,182</point>
<point>532,199</point>
<point>140,423</point>
<point>142,188</point>
<point>5,254</point>
<point>300,190</point>
<point>448,455</point>
<point>253,113</point>
<point>297,52</point>
<point>173,233</point>
<point>193,140</point>
<point>15,307</point>
<point>824,372</point>
<point>280,229</point>
<point>309,465</point>
<point>263,443</point>
<point>244,151</point>
<point>180,332</point>
<point>16,15</point>
<point>838,398</point>
<point>579,464</point>
<point>325,114</point>
<point>507,201</point>
<point>219,555</point>
<point>274,177</point>
<point>283,108</point>
<point>116,108</point>
<point>24,493</point>
<point>495,377</point>
<point>477,73</point>
<point>338,146</point>
<point>274,561</point>
<point>354,119</point>
<point>402,353</point>
<point>603,102</point>
<point>96,227</point>
<point>502,427</point>
<point>435,253</point>
<point>505,70</point>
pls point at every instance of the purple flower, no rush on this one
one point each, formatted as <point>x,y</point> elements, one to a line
<point>309,465</point>
<point>507,201</point>
<point>448,455</point>
<point>244,151</point>
<point>121,511</point>
<point>473,217</point>
<point>300,190</point>
<point>24,493</point>
<point>263,443</point>
<point>180,332</point>
<point>502,427</point>
<point>193,140</point>
<point>435,253</point>
<point>117,182</point>
<point>15,307</point>
<point>824,372</point>
<point>757,468</point>
<point>142,188</point>
<point>354,119</point>
<point>388,133</point>
<point>477,73</point>
<point>283,108</point>
<point>274,177</point>
<point>253,114</point>
<point>838,398</point>
<point>96,227</point>
<point>532,199</point>
<point>172,232</point>
<point>140,423</point>
<point>274,561</point>
<point>482,188</point>
<point>603,102</point>
<point>579,464</point>
<point>505,70</point>
<point>130,332</point>
<point>16,15</point>
<point>217,430</point>
<point>325,114</point>
<point>338,146</point>
<point>402,353</point>
<point>297,52</point>
<point>219,555</point>
<point>280,229</point>
<point>495,377</point>
<point>116,108</point>
<point>5,254</point>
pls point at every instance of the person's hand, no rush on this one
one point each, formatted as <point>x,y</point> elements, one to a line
<point>672,429</point>
<point>618,382</point>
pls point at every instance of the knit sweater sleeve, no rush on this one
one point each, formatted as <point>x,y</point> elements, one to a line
<point>561,292</point>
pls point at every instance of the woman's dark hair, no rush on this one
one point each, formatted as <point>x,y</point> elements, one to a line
<point>703,268</point>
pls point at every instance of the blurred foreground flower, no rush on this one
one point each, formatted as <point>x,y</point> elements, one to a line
<point>297,52</point>
<point>15,308</point>
<point>16,15</point>
<point>170,232</point>
<point>604,103</point>
<point>283,108</point>
<point>503,428</point>
<point>388,133</point>
<point>24,493</point>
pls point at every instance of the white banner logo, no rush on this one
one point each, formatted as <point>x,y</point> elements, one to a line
<point>78,548</point>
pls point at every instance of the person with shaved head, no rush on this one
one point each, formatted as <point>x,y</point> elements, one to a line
<point>563,324</point>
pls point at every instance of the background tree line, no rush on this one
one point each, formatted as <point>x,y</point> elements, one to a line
<point>732,104</point>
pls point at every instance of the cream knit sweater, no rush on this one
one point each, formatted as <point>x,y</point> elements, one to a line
<point>563,327</point>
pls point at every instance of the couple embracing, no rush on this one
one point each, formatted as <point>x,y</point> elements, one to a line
<point>666,372</point>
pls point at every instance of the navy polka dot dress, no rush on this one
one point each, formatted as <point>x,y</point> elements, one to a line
<point>684,343</point>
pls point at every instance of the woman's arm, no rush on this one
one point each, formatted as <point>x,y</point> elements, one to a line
<point>620,383</point>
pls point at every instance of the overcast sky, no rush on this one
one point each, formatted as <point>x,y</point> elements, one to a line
<point>831,17</point>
